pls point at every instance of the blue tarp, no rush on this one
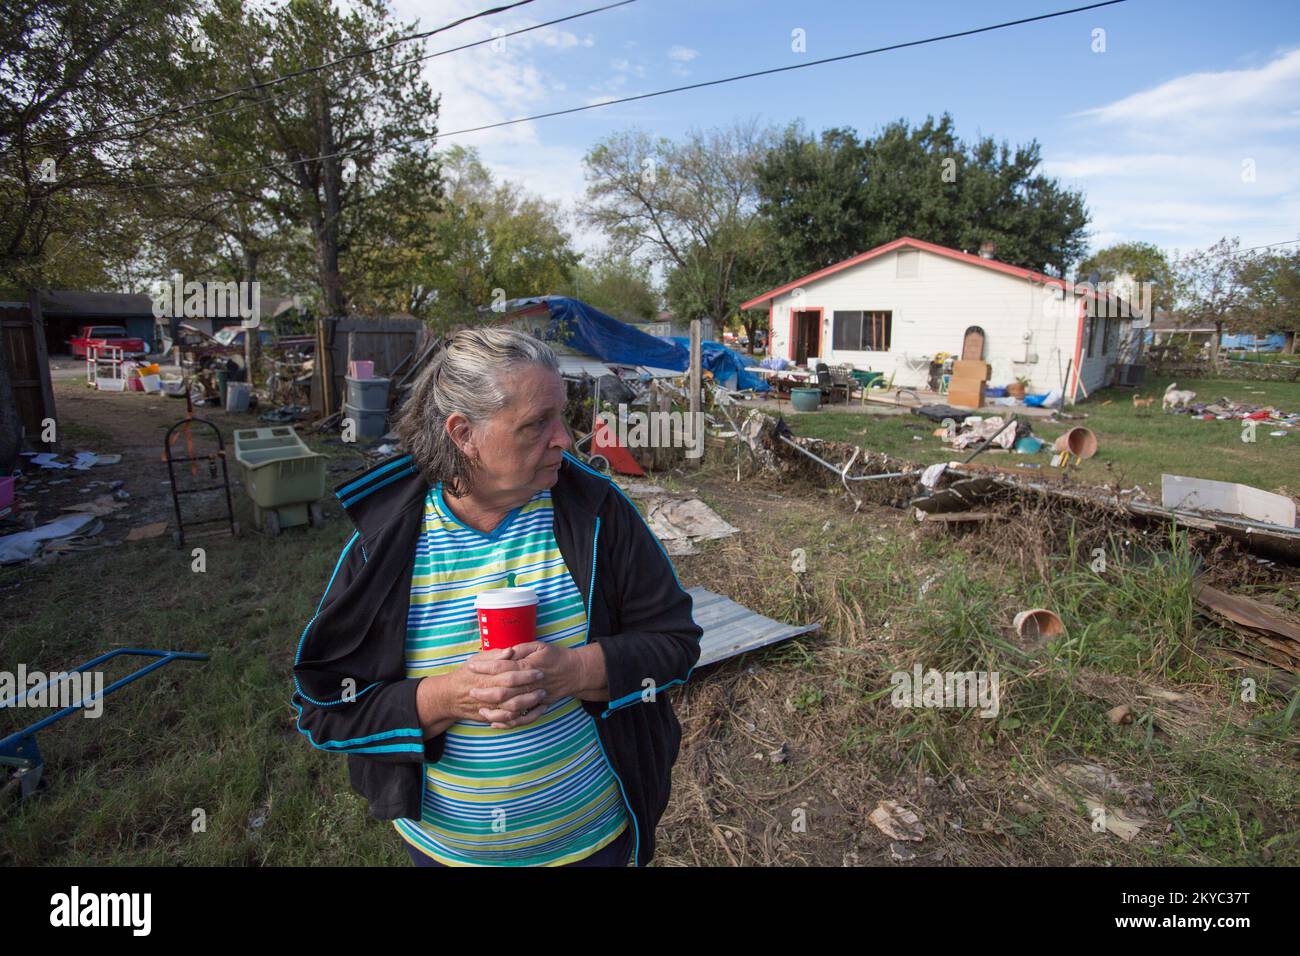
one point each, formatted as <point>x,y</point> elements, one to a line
<point>1264,343</point>
<point>728,366</point>
<point>585,329</point>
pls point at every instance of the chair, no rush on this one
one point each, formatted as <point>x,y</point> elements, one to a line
<point>828,385</point>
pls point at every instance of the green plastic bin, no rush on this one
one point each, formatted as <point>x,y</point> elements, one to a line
<point>284,478</point>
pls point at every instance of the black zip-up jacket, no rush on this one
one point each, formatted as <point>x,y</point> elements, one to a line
<point>350,685</point>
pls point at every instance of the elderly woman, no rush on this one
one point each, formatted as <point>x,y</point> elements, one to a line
<point>557,752</point>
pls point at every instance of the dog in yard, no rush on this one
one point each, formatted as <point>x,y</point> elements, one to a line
<point>1139,402</point>
<point>1176,397</point>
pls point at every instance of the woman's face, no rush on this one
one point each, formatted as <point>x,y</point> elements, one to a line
<point>521,447</point>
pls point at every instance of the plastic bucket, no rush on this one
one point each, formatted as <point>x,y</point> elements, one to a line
<point>1079,442</point>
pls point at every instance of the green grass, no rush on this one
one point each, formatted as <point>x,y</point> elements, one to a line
<point>1228,802</point>
<point>212,741</point>
<point>1132,448</point>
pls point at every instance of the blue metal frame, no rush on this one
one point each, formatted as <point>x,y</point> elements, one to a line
<point>19,748</point>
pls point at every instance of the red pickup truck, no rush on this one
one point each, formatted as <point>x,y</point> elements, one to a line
<point>104,335</point>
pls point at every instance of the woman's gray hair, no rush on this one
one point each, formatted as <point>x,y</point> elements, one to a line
<point>468,377</point>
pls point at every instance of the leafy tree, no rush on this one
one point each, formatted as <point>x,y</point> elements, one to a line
<point>616,284</point>
<point>1141,260</point>
<point>830,197</point>
<point>341,147</point>
<point>490,241</point>
<point>690,206</point>
<point>69,71</point>
<point>1272,284</point>
<point>1211,287</point>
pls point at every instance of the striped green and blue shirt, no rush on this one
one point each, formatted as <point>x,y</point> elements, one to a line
<point>541,794</point>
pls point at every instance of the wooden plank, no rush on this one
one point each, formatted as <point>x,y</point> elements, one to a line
<point>1250,613</point>
<point>43,365</point>
<point>23,340</point>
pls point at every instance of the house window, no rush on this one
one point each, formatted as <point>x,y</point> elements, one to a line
<point>862,331</point>
<point>1092,328</point>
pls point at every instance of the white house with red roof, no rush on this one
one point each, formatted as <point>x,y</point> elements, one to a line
<point>893,308</point>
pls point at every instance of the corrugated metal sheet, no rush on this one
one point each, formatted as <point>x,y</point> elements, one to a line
<point>731,628</point>
<point>577,365</point>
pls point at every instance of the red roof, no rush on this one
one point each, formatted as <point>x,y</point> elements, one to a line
<point>907,241</point>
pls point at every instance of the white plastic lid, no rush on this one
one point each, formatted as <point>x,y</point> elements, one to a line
<point>506,597</point>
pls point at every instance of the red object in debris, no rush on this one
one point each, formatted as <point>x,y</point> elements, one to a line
<point>604,443</point>
<point>1208,417</point>
<point>1258,416</point>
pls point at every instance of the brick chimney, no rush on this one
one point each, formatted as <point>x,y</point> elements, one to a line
<point>986,250</point>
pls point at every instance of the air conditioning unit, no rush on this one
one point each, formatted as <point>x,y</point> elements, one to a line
<point>1130,375</point>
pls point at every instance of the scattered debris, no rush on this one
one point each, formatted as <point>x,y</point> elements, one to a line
<point>146,531</point>
<point>901,853</point>
<point>681,523</point>
<point>640,489</point>
<point>897,823</point>
<point>101,506</point>
<point>1257,622</point>
<point>285,414</point>
<point>1101,792</point>
<point>44,459</point>
<point>25,545</point>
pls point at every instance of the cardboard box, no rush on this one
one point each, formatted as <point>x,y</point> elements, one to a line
<point>971,368</point>
<point>965,393</point>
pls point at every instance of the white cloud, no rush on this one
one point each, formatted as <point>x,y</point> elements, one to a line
<point>526,74</point>
<point>1265,98</point>
<point>682,54</point>
<point>622,65</point>
<point>1192,159</point>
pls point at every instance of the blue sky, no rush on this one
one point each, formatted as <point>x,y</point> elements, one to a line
<point>1186,128</point>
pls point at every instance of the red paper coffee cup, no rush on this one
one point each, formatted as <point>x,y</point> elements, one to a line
<point>506,617</point>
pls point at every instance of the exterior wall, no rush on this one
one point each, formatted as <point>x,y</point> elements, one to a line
<point>931,312</point>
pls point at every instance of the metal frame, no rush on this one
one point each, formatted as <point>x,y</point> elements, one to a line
<point>19,749</point>
<point>176,492</point>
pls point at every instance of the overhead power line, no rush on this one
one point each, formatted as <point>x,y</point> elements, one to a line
<point>185,121</point>
<point>220,97</point>
<point>361,150</point>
